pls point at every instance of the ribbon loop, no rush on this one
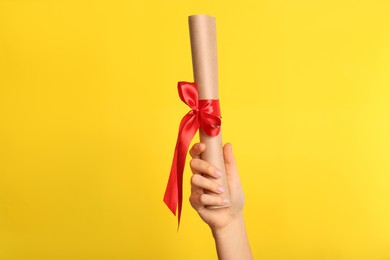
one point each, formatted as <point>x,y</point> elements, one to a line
<point>205,114</point>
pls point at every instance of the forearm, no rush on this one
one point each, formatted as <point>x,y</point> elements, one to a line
<point>232,242</point>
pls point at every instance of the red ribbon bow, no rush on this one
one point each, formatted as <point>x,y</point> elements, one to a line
<point>205,114</point>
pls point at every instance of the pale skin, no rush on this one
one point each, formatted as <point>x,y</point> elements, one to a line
<point>227,224</point>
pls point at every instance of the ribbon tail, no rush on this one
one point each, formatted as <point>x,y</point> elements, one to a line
<point>174,191</point>
<point>171,191</point>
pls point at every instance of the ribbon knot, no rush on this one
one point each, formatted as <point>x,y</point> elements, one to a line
<point>204,114</point>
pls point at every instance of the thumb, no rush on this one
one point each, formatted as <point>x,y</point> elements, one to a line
<point>230,161</point>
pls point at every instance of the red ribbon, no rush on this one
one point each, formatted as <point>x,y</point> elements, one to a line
<point>205,113</point>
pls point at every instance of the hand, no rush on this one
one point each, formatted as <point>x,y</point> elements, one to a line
<point>202,180</point>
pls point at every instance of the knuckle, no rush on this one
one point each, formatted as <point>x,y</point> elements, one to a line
<point>192,163</point>
<point>195,179</point>
<point>203,198</point>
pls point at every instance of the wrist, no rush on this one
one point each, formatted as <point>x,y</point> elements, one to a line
<point>237,224</point>
<point>232,240</point>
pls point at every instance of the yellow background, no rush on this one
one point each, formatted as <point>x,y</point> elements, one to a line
<point>89,114</point>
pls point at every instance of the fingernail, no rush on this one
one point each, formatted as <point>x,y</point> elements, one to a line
<point>218,173</point>
<point>221,189</point>
<point>225,201</point>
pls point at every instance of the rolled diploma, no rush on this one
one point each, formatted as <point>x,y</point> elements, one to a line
<point>205,68</point>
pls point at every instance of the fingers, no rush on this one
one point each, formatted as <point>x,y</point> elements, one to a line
<point>201,182</point>
<point>197,149</point>
<point>204,190</point>
<point>210,200</point>
<point>199,166</point>
<point>201,201</point>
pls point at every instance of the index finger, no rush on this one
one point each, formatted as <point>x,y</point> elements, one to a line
<point>197,149</point>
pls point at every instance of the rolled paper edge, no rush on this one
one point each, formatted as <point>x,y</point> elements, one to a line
<point>205,69</point>
<point>204,55</point>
